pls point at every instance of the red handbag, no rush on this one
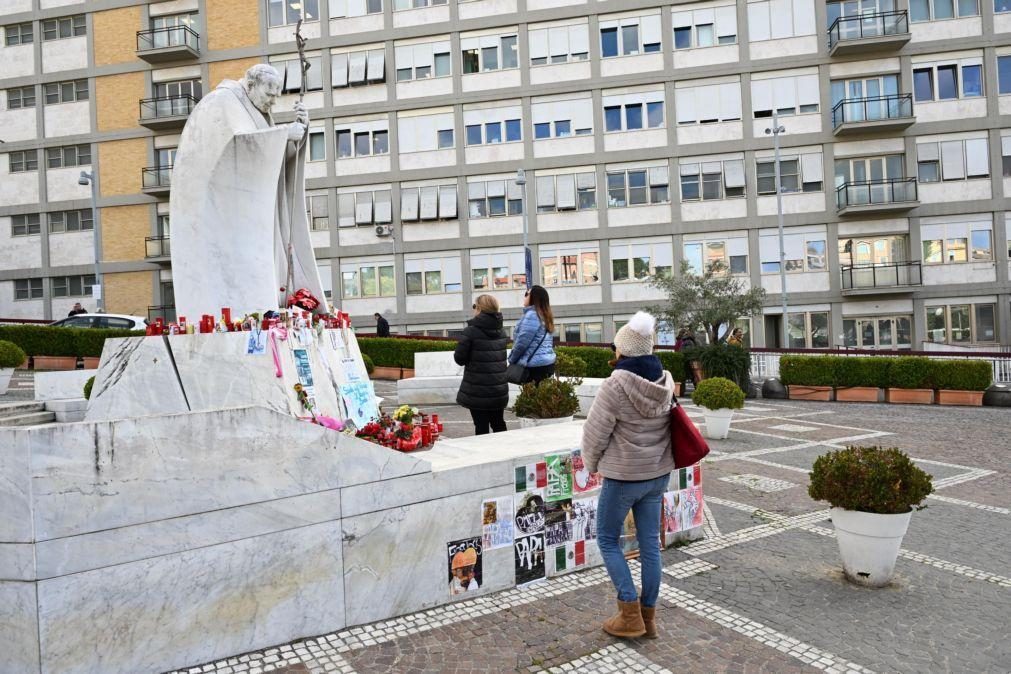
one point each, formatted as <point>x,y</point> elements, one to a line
<point>686,442</point>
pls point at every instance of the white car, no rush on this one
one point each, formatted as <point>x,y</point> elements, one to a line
<point>114,321</point>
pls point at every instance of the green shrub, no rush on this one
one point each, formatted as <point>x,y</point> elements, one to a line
<point>551,399</point>
<point>45,340</point>
<point>808,370</point>
<point>11,355</point>
<point>718,393</point>
<point>369,365</point>
<point>871,371</point>
<point>911,372</point>
<point>673,362</point>
<point>597,359</point>
<point>567,365</point>
<point>396,352</point>
<point>962,375</point>
<point>723,360</point>
<point>869,479</point>
<point>87,387</point>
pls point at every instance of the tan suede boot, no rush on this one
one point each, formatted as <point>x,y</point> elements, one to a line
<point>649,621</point>
<point>627,623</point>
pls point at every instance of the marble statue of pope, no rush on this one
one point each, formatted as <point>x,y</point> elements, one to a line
<point>238,216</point>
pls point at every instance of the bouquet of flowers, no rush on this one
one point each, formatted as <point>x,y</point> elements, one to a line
<point>406,430</point>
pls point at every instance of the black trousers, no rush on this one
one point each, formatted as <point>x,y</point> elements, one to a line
<point>539,374</point>
<point>485,418</point>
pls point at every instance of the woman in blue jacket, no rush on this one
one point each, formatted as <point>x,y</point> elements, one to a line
<point>532,340</point>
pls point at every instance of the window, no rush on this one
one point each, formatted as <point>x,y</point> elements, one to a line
<point>432,276</point>
<point>1004,74</point>
<point>356,68</point>
<point>485,54</point>
<point>771,20</point>
<point>494,198</point>
<point>567,192</point>
<point>317,146</point>
<point>368,279</point>
<point>948,81</point>
<point>492,132</point>
<point>20,97</point>
<point>633,116</point>
<point>629,37</point>
<point>638,187</point>
<point>401,5</point>
<point>423,61</point>
<point>430,202</point>
<point>637,261</point>
<point>952,160</point>
<point>365,143</point>
<point>317,209</point>
<point>562,117</point>
<point>961,323</point>
<point>936,10</point>
<point>65,92</point>
<point>497,270</point>
<point>569,332</point>
<point>288,12</point>
<point>954,242</point>
<point>68,155</point>
<point>73,286</point>
<point>1005,144</point>
<point>559,44</point>
<point>67,26</point>
<point>71,221</point>
<point>364,207</point>
<point>708,180</point>
<point>572,264</point>
<point>708,104</point>
<point>804,252</point>
<point>807,330</point>
<point>291,74</point>
<point>1000,6</point>
<point>797,94</point>
<point>802,173</point>
<point>878,332</point>
<point>705,27</point>
<point>23,160</point>
<point>18,33</point>
<point>25,225</point>
<point>724,253</point>
<point>28,289</point>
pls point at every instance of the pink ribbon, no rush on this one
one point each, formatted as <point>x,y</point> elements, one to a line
<point>277,332</point>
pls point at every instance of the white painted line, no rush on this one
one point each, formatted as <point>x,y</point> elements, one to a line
<point>709,526</point>
<point>793,428</point>
<point>689,568</point>
<point>970,504</point>
<point>759,482</point>
<point>617,657</point>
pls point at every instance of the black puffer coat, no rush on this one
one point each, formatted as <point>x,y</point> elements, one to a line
<point>482,352</point>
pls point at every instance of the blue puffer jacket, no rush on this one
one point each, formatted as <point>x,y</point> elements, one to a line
<point>526,335</point>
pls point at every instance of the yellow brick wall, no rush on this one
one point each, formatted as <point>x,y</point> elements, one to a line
<point>123,232</point>
<point>116,35</point>
<point>119,166</point>
<point>117,100</point>
<point>128,292</point>
<point>229,70</point>
<point>233,23</point>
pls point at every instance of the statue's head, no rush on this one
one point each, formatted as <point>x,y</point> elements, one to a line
<point>263,86</point>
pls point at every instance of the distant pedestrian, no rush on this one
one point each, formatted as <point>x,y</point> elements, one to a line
<point>482,352</point>
<point>77,310</point>
<point>736,338</point>
<point>626,438</point>
<point>532,339</point>
<point>382,326</point>
<point>686,340</point>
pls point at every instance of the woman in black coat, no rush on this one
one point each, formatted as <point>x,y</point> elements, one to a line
<point>482,351</point>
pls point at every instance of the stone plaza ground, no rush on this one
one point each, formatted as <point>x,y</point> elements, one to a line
<point>763,592</point>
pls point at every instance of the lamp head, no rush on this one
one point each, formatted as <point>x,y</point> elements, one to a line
<point>521,177</point>
<point>84,178</point>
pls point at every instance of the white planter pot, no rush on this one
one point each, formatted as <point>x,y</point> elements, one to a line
<point>718,423</point>
<point>869,544</point>
<point>5,378</point>
<point>526,422</point>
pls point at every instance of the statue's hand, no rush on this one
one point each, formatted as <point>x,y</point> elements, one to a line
<point>296,131</point>
<point>301,114</point>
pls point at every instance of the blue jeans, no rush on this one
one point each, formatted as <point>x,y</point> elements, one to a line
<point>645,500</point>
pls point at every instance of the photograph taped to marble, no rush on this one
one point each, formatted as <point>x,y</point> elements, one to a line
<point>557,522</point>
<point>689,477</point>
<point>584,519</point>
<point>682,510</point>
<point>256,344</point>
<point>531,476</point>
<point>530,513</point>
<point>528,558</point>
<point>566,557</point>
<point>302,367</point>
<point>464,560</point>
<point>559,476</point>
<point>583,480</point>
<point>497,522</point>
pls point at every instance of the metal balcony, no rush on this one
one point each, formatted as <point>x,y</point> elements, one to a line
<point>876,196</point>
<point>173,43</point>
<point>877,278</point>
<point>166,312</point>
<point>868,33</point>
<point>157,247</point>
<point>166,112</point>
<point>156,180</point>
<point>876,113</point>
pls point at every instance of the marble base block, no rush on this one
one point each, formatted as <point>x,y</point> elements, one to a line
<point>61,385</point>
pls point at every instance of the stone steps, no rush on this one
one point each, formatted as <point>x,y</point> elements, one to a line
<point>25,414</point>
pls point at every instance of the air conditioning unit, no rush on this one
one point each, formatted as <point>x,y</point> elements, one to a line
<point>384,230</point>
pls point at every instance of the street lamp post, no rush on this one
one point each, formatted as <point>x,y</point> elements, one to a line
<point>528,266</point>
<point>775,131</point>
<point>87,178</point>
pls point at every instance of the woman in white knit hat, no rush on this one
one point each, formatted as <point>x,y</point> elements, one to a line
<point>626,439</point>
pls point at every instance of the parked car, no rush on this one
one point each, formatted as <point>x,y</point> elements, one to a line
<point>116,321</point>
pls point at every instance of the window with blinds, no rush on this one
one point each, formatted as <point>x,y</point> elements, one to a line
<point>709,103</point>
<point>952,160</point>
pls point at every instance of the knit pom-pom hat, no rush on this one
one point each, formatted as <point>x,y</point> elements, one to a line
<point>635,338</point>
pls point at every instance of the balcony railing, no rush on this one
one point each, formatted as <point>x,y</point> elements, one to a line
<point>154,109</point>
<point>157,246</point>
<point>868,194</point>
<point>168,38</point>
<point>166,312</point>
<point>850,29</point>
<point>873,109</point>
<point>869,276</point>
<point>156,177</point>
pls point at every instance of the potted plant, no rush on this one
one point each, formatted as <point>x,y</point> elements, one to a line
<point>808,377</point>
<point>910,381</point>
<point>873,492</point>
<point>11,356</point>
<point>720,397</point>
<point>552,401</point>
<point>961,382</point>
<point>860,380</point>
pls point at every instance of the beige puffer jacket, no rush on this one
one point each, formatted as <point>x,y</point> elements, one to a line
<point>627,433</point>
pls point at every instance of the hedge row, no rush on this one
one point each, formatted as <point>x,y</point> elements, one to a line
<point>45,340</point>
<point>907,372</point>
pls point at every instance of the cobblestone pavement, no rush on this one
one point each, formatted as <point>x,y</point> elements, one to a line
<point>21,388</point>
<point>763,592</point>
